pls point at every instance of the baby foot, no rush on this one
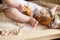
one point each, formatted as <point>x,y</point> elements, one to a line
<point>33,22</point>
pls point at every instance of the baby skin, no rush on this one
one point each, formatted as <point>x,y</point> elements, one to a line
<point>15,12</point>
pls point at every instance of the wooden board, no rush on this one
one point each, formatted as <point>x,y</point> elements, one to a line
<point>28,33</point>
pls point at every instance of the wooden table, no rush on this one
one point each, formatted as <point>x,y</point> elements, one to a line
<point>30,33</point>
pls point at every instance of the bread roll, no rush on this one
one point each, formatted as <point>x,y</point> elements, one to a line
<point>27,11</point>
<point>44,20</point>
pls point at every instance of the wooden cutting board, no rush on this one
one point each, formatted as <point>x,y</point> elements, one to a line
<point>28,33</point>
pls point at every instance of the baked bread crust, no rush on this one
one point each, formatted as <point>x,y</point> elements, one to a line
<point>27,11</point>
<point>44,20</point>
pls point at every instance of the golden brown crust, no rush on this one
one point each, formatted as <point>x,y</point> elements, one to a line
<point>27,11</point>
<point>58,26</point>
<point>47,21</point>
<point>44,20</point>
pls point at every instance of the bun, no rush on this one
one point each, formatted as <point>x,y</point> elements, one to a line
<point>27,11</point>
<point>44,20</point>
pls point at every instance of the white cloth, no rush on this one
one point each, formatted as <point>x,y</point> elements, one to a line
<point>21,2</point>
<point>34,7</point>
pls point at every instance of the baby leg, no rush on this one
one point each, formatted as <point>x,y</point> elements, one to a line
<point>15,14</point>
